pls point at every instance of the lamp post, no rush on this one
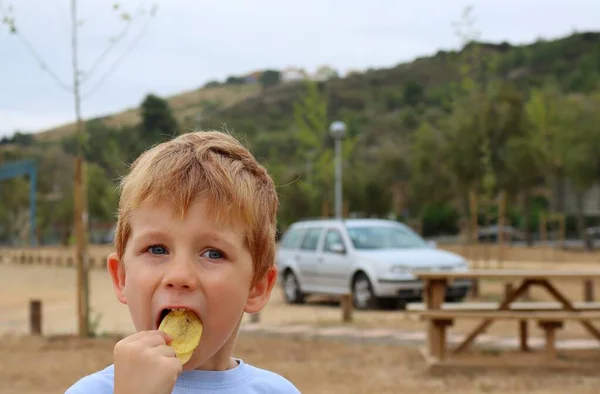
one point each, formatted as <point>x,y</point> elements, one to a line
<point>338,131</point>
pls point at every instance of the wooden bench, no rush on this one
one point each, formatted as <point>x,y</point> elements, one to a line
<point>549,321</point>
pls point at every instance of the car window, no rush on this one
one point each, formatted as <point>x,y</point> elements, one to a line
<point>332,237</point>
<point>311,239</point>
<point>292,238</point>
<point>384,237</point>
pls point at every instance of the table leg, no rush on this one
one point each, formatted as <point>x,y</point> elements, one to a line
<point>550,328</point>
<point>435,293</point>
<point>523,335</point>
<point>487,322</point>
<point>441,326</point>
<point>568,306</point>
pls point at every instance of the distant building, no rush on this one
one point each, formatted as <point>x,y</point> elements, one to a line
<point>293,74</point>
<point>566,197</point>
<point>253,77</point>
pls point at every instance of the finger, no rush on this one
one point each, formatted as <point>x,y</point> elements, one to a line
<point>178,366</point>
<point>165,350</point>
<point>152,340</point>
<point>137,336</point>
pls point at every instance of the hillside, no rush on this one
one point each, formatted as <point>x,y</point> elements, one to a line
<point>185,106</point>
<point>377,97</point>
<point>430,82</point>
<point>414,143</point>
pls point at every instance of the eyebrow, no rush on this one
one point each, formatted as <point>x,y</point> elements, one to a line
<point>216,237</point>
<point>145,234</point>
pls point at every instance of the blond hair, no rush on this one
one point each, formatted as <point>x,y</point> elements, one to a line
<point>212,164</point>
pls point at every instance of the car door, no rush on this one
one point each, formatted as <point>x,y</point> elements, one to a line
<point>307,259</point>
<point>335,267</point>
<point>288,248</point>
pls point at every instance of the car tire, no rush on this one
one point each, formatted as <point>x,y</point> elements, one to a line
<point>291,289</point>
<point>363,296</point>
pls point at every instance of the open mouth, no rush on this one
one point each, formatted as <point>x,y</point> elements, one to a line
<point>164,312</point>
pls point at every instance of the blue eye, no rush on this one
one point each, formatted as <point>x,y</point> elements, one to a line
<point>157,249</point>
<point>213,254</point>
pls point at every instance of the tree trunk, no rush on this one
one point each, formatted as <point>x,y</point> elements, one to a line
<point>527,218</point>
<point>581,222</point>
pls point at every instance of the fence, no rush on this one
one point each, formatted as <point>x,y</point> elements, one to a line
<point>63,256</point>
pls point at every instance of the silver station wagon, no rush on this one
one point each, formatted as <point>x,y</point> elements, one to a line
<point>371,258</point>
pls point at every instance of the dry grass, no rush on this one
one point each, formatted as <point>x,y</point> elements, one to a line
<point>323,311</point>
<point>316,367</point>
<point>49,366</point>
<point>55,286</point>
<point>183,105</point>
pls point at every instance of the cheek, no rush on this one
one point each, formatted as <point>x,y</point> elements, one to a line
<point>228,290</point>
<point>138,290</point>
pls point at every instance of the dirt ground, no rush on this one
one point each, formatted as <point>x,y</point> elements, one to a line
<point>55,286</point>
<point>31,365</point>
<point>315,367</point>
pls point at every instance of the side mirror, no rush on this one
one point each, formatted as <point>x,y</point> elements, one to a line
<point>337,248</point>
<point>432,244</point>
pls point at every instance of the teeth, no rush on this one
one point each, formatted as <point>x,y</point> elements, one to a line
<point>178,309</point>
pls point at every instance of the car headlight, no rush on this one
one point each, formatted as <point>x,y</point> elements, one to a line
<point>401,269</point>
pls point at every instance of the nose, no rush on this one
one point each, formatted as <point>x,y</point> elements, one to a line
<point>181,275</point>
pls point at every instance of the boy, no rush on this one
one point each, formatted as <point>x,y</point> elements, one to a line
<point>195,232</point>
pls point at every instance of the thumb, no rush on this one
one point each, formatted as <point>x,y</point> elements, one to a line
<point>167,337</point>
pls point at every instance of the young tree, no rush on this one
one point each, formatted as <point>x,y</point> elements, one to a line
<point>79,78</point>
<point>158,122</point>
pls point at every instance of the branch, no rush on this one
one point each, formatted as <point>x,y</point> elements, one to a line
<point>10,22</point>
<point>43,65</point>
<point>114,66</point>
<point>113,44</point>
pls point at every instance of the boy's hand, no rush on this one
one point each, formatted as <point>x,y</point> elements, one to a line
<point>144,363</point>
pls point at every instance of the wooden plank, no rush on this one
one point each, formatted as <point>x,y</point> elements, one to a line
<point>510,274</point>
<point>511,315</point>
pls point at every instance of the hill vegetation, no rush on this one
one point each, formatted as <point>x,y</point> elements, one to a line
<point>421,136</point>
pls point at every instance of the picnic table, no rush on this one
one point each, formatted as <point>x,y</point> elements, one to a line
<point>549,316</point>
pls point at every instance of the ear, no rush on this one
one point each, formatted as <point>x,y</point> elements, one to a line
<point>261,291</point>
<point>117,274</point>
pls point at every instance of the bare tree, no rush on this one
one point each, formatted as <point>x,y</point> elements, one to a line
<point>80,78</point>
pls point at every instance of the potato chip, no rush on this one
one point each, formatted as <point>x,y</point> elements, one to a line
<point>185,329</point>
<point>184,357</point>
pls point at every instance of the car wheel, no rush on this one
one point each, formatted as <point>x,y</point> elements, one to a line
<point>291,289</point>
<point>362,292</point>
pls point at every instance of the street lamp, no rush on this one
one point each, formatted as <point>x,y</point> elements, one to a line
<point>338,131</point>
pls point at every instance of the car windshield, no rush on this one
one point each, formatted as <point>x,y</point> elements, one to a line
<point>384,237</point>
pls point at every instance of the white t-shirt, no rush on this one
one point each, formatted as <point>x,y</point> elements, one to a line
<point>243,379</point>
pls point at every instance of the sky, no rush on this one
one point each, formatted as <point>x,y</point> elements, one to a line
<point>189,42</point>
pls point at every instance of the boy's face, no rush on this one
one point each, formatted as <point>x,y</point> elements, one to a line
<point>192,264</point>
